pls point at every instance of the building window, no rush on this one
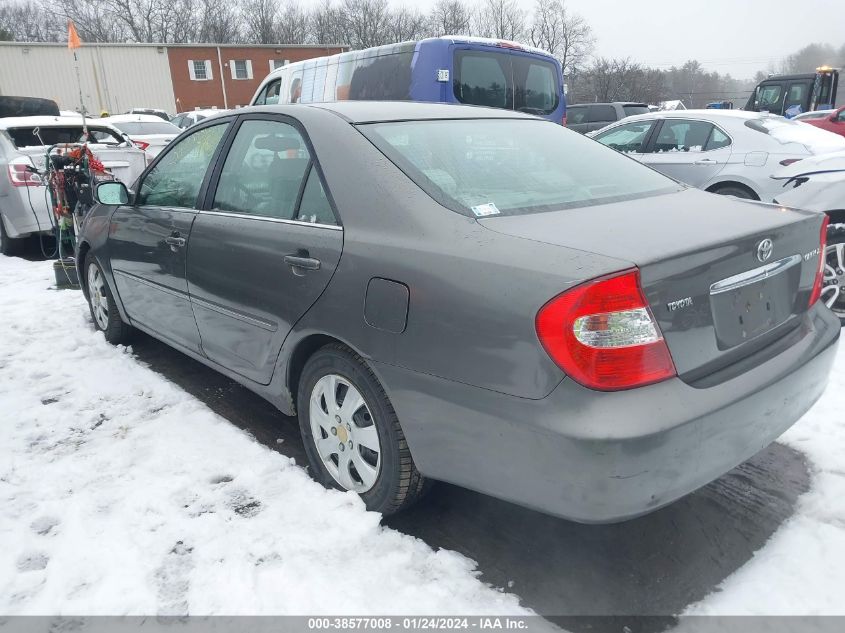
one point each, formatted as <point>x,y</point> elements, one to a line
<point>241,68</point>
<point>278,63</point>
<point>200,69</point>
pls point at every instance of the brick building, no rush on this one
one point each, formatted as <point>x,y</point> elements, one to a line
<point>117,77</point>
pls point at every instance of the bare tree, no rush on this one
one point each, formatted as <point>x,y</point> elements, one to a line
<point>326,24</point>
<point>450,17</point>
<point>565,35</point>
<point>501,19</point>
<point>293,25</point>
<point>219,22</point>
<point>365,22</point>
<point>259,17</point>
<point>29,22</point>
<point>407,24</point>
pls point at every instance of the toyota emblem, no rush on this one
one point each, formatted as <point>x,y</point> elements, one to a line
<point>764,249</point>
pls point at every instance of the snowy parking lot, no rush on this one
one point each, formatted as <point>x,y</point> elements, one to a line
<point>121,493</point>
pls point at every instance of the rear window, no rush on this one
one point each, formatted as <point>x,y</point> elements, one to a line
<point>633,110</point>
<point>25,137</point>
<point>499,80</point>
<point>602,113</point>
<point>147,127</point>
<point>481,167</point>
<point>787,131</point>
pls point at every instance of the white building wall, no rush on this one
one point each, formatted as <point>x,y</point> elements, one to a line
<point>113,78</point>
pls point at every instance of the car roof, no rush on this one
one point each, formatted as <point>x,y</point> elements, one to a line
<point>384,111</point>
<point>715,116</point>
<point>51,121</point>
<point>142,118</point>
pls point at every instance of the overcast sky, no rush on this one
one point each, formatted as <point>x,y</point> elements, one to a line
<point>735,36</point>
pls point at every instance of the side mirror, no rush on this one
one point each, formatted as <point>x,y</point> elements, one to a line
<point>112,192</point>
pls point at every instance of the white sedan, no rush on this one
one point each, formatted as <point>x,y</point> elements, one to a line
<point>724,151</point>
<point>147,131</point>
<point>819,184</point>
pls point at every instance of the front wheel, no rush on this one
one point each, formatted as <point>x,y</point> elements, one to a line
<point>352,436</point>
<point>103,307</point>
<point>833,284</point>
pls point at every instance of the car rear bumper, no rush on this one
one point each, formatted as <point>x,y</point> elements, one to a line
<point>26,211</point>
<point>603,457</point>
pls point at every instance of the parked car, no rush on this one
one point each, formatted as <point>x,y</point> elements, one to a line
<point>814,114</point>
<point>835,122</point>
<point>472,295</point>
<point>24,206</point>
<point>588,117</point>
<point>730,152</point>
<point>161,114</point>
<point>147,131</point>
<point>818,183</point>
<point>184,120</point>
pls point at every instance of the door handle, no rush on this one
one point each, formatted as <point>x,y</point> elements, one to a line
<point>306,263</point>
<point>706,161</point>
<point>175,241</point>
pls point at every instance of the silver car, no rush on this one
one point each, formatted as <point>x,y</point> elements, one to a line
<point>24,143</point>
<point>723,151</point>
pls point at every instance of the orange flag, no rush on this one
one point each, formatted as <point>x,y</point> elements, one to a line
<point>73,40</point>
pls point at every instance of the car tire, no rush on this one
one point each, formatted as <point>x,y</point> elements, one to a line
<point>8,245</point>
<point>102,305</point>
<point>342,439</point>
<point>736,191</point>
<point>835,238</point>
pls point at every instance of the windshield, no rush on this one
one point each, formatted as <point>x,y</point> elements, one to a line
<point>147,127</point>
<point>481,167</point>
<point>510,81</point>
<point>25,137</point>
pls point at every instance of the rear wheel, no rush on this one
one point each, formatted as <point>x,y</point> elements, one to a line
<point>8,245</point>
<point>103,308</point>
<point>734,190</point>
<point>833,285</point>
<point>352,436</point>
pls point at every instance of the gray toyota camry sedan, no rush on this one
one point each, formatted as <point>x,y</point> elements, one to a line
<point>470,295</point>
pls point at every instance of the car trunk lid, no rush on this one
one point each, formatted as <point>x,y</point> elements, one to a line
<point>723,277</point>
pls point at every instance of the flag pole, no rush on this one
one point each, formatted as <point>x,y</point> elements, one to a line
<point>73,42</point>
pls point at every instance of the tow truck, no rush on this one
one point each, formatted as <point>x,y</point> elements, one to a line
<point>790,95</point>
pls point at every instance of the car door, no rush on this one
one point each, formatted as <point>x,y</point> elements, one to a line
<point>264,248</point>
<point>688,150</point>
<point>148,239</point>
<point>628,138</point>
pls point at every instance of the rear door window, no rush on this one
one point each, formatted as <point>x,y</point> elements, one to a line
<point>718,140</point>
<point>264,170</point>
<point>602,113</point>
<point>681,135</point>
<point>482,79</point>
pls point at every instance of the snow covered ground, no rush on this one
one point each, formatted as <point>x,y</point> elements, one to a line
<point>122,494</point>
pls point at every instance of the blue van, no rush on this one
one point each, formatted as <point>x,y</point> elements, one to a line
<point>469,70</point>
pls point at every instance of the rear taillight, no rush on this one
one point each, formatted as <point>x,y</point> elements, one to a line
<point>603,334</point>
<point>22,174</point>
<point>816,294</point>
<point>563,121</point>
<point>141,144</point>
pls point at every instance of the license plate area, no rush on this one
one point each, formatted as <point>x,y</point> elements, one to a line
<point>752,303</point>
